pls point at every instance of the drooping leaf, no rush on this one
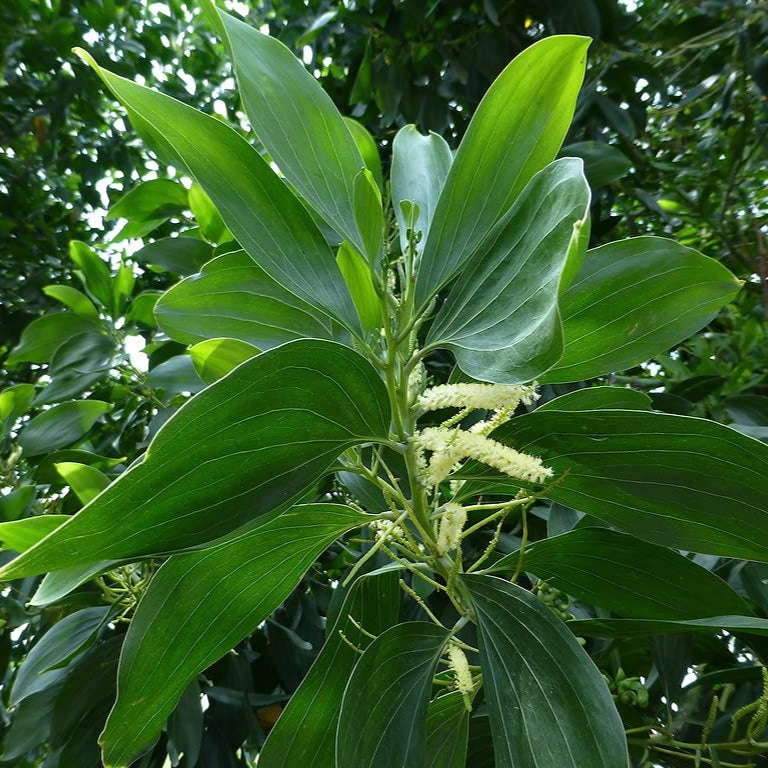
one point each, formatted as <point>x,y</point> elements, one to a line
<point>201,604</point>
<point>247,444</point>
<point>501,320</point>
<point>383,720</point>
<point>305,734</point>
<point>548,704</point>
<point>61,426</point>
<point>215,358</point>
<point>420,165</point>
<point>94,272</point>
<point>73,299</point>
<point>447,732</point>
<point>506,143</point>
<point>262,213</point>
<point>597,398</point>
<point>633,299</point>
<point>627,576</point>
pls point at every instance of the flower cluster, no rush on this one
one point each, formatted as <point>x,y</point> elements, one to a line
<point>473,396</point>
<point>461,673</point>
<point>451,525</point>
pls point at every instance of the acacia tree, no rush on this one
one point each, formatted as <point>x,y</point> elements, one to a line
<point>327,294</point>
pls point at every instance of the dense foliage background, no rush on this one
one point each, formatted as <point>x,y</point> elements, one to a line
<point>672,124</point>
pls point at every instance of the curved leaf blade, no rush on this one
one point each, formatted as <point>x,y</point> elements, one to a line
<point>447,732</point>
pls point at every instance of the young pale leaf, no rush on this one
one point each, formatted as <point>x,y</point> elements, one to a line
<point>629,577</point>
<point>234,298</point>
<point>677,481</point>
<point>501,319</point>
<point>420,166</point>
<point>306,731</point>
<point>383,719</point>
<point>61,426</point>
<point>549,706</point>
<point>15,401</point>
<point>215,358</point>
<point>506,143</point>
<point>359,279</point>
<point>201,604</point>
<point>633,299</point>
<point>20,535</point>
<point>87,482</point>
<point>447,732</point>
<point>260,210</point>
<point>299,125</point>
<point>246,445</point>
<point>368,214</point>
<point>366,145</point>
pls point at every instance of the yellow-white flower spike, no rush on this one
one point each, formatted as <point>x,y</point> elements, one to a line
<point>490,397</point>
<point>451,525</point>
<point>461,673</point>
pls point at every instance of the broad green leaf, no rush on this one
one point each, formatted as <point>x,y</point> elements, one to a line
<point>207,217</point>
<point>633,299</point>
<point>548,704</point>
<point>359,280</point>
<point>15,401</point>
<point>234,298</point>
<point>420,165</point>
<point>506,143</point>
<point>501,320</point>
<point>141,311</point>
<point>627,576</point>
<point>603,163</point>
<point>180,255</point>
<point>17,503</point>
<point>249,443</point>
<point>299,125</point>
<point>73,299</point>
<point>87,482</point>
<point>54,648</point>
<point>306,731</point>
<point>751,410</point>
<point>61,426</point>
<point>58,584</point>
<point>215,358</point>
<point>94,272</point>
<point>366,145</point>
<point>44,335</point>
<point>20,535</point>
<point>262,213</point>
<point>383,720</point>
<point>201,604</point>
<point>148,205</point>
<point>369,216</point>
<point>175,375</point>
<point>677,481</point>
<point>447,732</point>
<point>597,398</point>
<point>746,625</point>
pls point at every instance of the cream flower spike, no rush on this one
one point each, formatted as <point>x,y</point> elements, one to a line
<point>461,673</point>
<point>476,395</point>
<point>451,525</point>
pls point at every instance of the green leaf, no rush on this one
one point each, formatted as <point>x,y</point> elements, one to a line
<point>20,535</point>
<point>597,398</point>
<point>506,143</point>
<point>141,310</point>
<point>75,300</point>
<point>15,401</point>
<point>87,482</point>
<point>180,255</point>
<point>234,298</point>
<point>366,145</point>
<point>61,425</point>
<point>122,289</point>
<point>548,704</point>
<point>634,299</point>
<point>501,320</point>
<point>201,604</point>
<point>751,410</point>
<point>627,576</point>
<point>148,205</point>
<point>207,217</point>
<point>299,125</point>
<point>44,335</point>
<point>215,358</point>
<point>17,502</point>
<point>383,719</point>
<point>359,280</point>
<point>447,732</point>
<point>175,375</point>
<point>677,481</point>
<point>58,584</point>
<point>651,627</point>
<point>603,163</point>
<point>260,210</point>
<point>420,166</point>
<point>306,731</point>
<point>94,272</point>
<point>251,442</point>
<point>369,216</point>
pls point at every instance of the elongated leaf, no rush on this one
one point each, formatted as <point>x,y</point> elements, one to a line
<point>233,297</point>
<point>248,444</point>
<point>506,143</point>
<point>420,165</point>
<point>368,214</point>
<point>75,300</point>
<point>259,209</point>
<point>201,604</point>
<point>672,480</point>
<point>596,398</point>
<point>747,625</point>
<point>357,275</point>
<point>214,358</point>
<point>180,255</point>
<point>366,145</point>
<point>383,719</point>
<point>603,163</point>
<point>58,584</point>
<point>20,535</point>
<point>15,401</point>
<point>298,124</point>
<point>44,335</point>
<point>94,272</point>
<point>634,299</point>
<point>447,732</point>
<point>87,482</point>
<point>305,734</point>
<point>501,320</point>
<point>629,577</point>
<point>549,706</point>
<point>61,426</point>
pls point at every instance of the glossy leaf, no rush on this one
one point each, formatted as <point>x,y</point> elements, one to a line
<point>383,719</point>
<point>87,482</point>
<point>246,445</point>
<point>15,401</point>
<point>548,704</point>
<point>506,143</point>
<point>369,216</point>
<point>234,298</point>
<point>501,320</point>
<point>746,625</point>
<point>94,272</point>
<point>44,335</point>
<point>148,205</point>
<point>627,576</point>
<point>73,299</point>
<point>201,604</point>
<point>61,426</point>
<point>447,732</point>
<point>366,145</point>
<point>632,300</point>
<point>180,255</point>
<point>215,358</point>
<point>305,734</point>
<point>359,280</point>
<point>597,398</point>
<point>20,535</point>
<point>262,213</point>
<point>603,163</point>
